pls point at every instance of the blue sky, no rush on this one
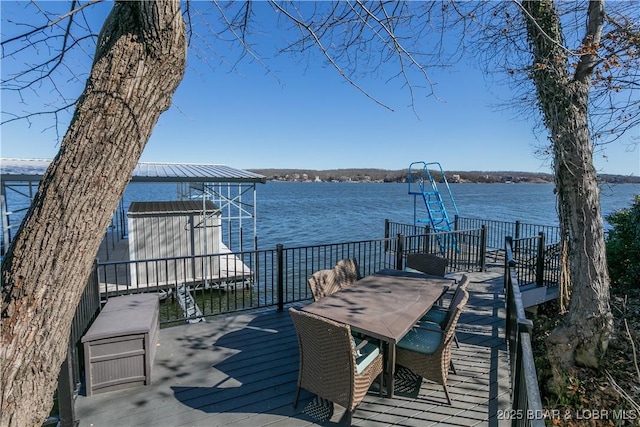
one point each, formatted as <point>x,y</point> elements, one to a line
<point>304,115</point>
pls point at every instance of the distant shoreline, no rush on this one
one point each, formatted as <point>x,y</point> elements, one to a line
<point>381,175</point>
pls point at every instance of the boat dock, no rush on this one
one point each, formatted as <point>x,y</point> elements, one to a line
<point>117,273</point>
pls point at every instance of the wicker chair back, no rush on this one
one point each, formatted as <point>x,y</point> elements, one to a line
<point>428,264</point>
<point>328,361</point>
<point>435,366</point>
<point>342,275</point>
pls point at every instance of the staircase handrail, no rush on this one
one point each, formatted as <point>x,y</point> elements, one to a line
<point>526,403</point>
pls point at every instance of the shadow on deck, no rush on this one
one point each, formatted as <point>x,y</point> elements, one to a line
<point>242,370</point>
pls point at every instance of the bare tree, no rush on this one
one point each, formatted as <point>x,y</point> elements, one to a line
<point>564,80</point>
<point>578,66</point>
<point>139,62</point>
<point>563,100</point>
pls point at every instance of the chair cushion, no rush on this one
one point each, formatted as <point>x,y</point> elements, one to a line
<point>435,315</point>
<point>429,325</point>
<point>421,340</point>
<point>365,355</point>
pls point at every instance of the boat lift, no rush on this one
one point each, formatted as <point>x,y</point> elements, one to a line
<point>423,184</point>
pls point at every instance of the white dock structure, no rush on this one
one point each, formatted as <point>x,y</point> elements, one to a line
<point>232,192</point>
<point>115,275</point>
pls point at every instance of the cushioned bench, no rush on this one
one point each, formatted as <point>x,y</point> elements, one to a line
<point>120,345</point>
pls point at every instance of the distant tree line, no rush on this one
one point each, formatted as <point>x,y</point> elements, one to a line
<point>383,175</point>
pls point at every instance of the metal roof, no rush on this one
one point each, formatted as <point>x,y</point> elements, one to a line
<point>176,207</point>
<point>34,169</point>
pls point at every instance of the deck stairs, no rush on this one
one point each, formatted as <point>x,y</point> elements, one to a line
<point>188,304</point>
<point>533,295</point>
<point>424,188</point>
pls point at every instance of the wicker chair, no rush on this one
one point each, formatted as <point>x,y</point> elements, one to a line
<point>326,282</point>
<point>428,264</point>
<point>333,364</point>
<point>322,283</point>
<point>427,352</point>
<point>441,315</point>
<point>347,272</point>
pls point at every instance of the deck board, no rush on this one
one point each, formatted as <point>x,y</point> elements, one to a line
<point>242,370</point>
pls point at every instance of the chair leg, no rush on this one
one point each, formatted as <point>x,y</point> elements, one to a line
<point>349,416</point>
<point>295,402</point>
<point>455,338</point>
<point>453,368</point>
<point>446,393</point>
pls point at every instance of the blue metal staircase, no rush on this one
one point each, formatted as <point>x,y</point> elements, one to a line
<point>422,184</point>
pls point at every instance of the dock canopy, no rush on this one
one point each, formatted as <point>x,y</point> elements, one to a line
<point>34,169</point>
<point>223,185</point>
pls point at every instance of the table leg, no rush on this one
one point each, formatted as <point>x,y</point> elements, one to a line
<point>391,367</point>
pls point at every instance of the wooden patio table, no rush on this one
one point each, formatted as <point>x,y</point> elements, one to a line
<point>385,305</point>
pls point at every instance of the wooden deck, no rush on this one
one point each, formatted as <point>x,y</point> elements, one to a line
<point>242,370</point>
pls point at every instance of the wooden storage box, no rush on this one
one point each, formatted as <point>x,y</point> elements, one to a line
<point>120,345</point>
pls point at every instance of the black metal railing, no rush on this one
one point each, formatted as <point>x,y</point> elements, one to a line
<point>526,404</point>
<point>535,262</point>
<point>236,281</point>
<point>392,229</point>
<point>465,249</point>
<point>498,230</point>
<point>71,369</point>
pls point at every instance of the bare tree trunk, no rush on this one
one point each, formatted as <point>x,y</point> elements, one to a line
<point>139,63</point>
<point>583,336</point>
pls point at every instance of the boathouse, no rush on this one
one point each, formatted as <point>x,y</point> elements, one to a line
<point>231,190</point>
<point>173,229</point>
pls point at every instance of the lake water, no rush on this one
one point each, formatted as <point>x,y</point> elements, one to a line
<point>310,213</point>
<point>332,212</point>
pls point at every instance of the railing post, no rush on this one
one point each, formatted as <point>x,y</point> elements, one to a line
<point>483,248</point>
<point>508,263</point>
<point>518,387</point>
<point>66,390</point>
<point>280,275</point>
<point>255,260</point>
<point>399,251</point>
<point>426,240</point>
<point>455,222</point>
<point>387,227</point>
<point>540,260</point>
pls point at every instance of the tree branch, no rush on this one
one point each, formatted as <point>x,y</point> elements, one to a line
<point>309,31</point>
